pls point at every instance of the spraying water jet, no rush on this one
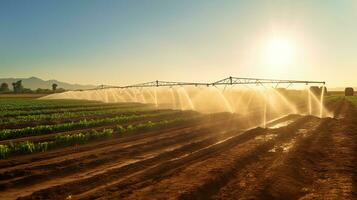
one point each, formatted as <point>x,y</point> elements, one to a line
<point>233,101</point>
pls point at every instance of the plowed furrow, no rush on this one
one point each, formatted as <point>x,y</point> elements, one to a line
<point>250,181</point>
<point>170,168</point>
<point>88,184</point>
<point>200,180</point>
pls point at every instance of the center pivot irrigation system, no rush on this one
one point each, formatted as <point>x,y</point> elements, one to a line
<point>227,81</point>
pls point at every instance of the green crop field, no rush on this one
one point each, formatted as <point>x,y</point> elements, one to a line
<point>29,125</point>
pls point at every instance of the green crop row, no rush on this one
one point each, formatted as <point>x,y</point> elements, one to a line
<point>32,104</point>
<point>45,129</point>
<point>66,140</point>
<point>14,113</point>
<point>43,118</point>
<point>28,147</point>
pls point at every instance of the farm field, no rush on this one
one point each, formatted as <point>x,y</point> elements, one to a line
<point>178,100</point>
<point>72,149</point>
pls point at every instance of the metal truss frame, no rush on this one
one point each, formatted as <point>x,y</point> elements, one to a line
<point>227,81</point>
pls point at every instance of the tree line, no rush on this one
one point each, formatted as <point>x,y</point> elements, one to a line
<point>18,88</point>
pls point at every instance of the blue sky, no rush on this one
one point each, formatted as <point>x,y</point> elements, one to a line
<point>123,42</point>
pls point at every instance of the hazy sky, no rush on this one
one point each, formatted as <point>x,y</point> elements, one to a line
<point>124,42</point>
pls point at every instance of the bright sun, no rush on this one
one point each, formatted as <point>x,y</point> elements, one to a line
<point>279,52</point>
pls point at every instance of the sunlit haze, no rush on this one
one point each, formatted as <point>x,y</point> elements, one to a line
<point>125,42</point>
<point>279,53</point>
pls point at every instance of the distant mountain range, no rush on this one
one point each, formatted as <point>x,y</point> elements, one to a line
<point>33,83</point>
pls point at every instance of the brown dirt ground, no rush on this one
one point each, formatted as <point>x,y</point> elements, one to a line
<point>310,158</point>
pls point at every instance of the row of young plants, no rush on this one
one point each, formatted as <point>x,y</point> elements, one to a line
<point>43,118</point>
<point>8,104</point>
<point>78,108</point>
<point>45,129</point>
<point>28,147</point>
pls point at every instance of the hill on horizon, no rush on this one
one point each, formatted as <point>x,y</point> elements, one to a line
<point>34,83</point>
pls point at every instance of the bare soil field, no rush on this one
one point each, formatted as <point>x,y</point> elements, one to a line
<point>213,157</point>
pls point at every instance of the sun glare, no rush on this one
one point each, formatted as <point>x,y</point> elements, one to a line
<point>279,52</point>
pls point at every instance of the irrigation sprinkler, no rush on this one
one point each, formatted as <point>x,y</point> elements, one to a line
<point>135,93</point>
<point>240,81</point>
<point>227,81</point>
